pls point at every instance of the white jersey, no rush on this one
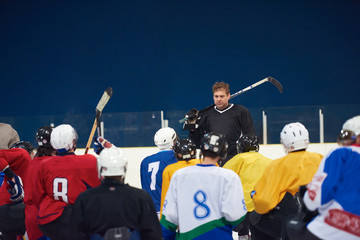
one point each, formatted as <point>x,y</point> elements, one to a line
<point>205,202</point>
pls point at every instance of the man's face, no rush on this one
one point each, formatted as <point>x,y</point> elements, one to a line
<point>221,99</point>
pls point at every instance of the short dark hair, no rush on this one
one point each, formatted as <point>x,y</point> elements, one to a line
<point>221,85</point>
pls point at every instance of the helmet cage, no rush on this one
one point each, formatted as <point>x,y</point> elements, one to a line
<point>215,143</point>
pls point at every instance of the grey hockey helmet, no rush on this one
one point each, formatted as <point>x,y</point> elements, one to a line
<point>214,143</point>
<point>247,143</point>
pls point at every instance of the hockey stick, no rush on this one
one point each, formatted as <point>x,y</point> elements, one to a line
<point>99,108</point>
<point>272,80</point>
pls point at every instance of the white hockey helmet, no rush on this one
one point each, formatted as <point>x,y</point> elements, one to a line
<point>112,162</point>
<point>294,136</point>
<point>63,138</point>
<point>350,131</point>
<point>353,124</point>
<point>164,138</point>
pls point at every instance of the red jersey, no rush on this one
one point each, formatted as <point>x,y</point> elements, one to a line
<point>61,179</point>
<point>31,210</point>
<point>18,159</point>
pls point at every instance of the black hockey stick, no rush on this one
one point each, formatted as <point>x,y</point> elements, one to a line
<point>99,108</point>
<point>272,80</point>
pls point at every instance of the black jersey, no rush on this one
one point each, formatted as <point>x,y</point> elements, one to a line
<point>233,122</point>
<point>115,204</point>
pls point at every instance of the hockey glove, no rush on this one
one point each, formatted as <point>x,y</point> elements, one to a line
<point>16,189</point>
<point>191,116</point>
<point>100,143</point>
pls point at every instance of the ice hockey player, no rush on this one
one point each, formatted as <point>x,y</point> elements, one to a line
<point>204,201</point>
<point>334,193</point>
<point>8,136</point>
<point>44,151</point>
<point>249,164</point>
<point>274,195</point>
<point>152,167</point>
<point>61,179</point>
<point>185,152</point>
<point>114,208</point>
<point>14,163</point>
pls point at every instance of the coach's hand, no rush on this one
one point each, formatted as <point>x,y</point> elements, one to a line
<point>16,189</point>
<point>192,115</point>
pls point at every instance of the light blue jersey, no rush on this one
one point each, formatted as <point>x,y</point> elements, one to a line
<point>151,170</point>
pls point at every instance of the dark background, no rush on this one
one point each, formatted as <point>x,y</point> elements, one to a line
<point>58,57</point>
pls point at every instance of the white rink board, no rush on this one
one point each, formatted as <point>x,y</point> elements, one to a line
<point>136,155</point>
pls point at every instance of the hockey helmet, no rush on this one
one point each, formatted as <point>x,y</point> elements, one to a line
<point>63,138</point>
<point>43,136</point>
<point>214,143</point>
<point>247,143</point>
<point>164,138</point>
<point>350,131</point>
<point>294,136</point>
<point>24,145</point>
<point>185,149</point>
<point>112,162</point>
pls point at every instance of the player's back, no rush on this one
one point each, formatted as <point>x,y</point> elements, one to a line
<point>63,178</point>
<point>205,201</point>
<point>151,170</point>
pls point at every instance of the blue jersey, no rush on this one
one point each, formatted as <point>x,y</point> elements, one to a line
<point>335,193</point>
<point>151,170</point>
<point>1,178</point>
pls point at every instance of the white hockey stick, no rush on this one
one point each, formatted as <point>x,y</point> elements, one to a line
<point>268,79</point>
<point>99,108</point>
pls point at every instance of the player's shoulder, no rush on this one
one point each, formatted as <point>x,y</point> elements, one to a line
<point>137,192</point>
<point>89,157</point>
<point>227,172</point>
<point>316,154</point>
<point>163,155</point>
<point>239,107</point>
<point>344,152</point>
<point>14,152</point>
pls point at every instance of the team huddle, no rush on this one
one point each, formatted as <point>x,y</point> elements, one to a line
<point>206,186</point>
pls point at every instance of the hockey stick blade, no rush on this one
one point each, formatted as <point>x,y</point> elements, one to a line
<point>104,99</point>
<point>99,108</point>
<point>276,83</point>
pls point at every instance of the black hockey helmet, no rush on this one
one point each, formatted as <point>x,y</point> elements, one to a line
<point>214,143</point>
<point>24,145</point>
<point>43,136</point>
<point>185,149</point>
<point>247,143</point>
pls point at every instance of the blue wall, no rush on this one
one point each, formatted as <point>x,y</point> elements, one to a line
<point>58,57</point>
